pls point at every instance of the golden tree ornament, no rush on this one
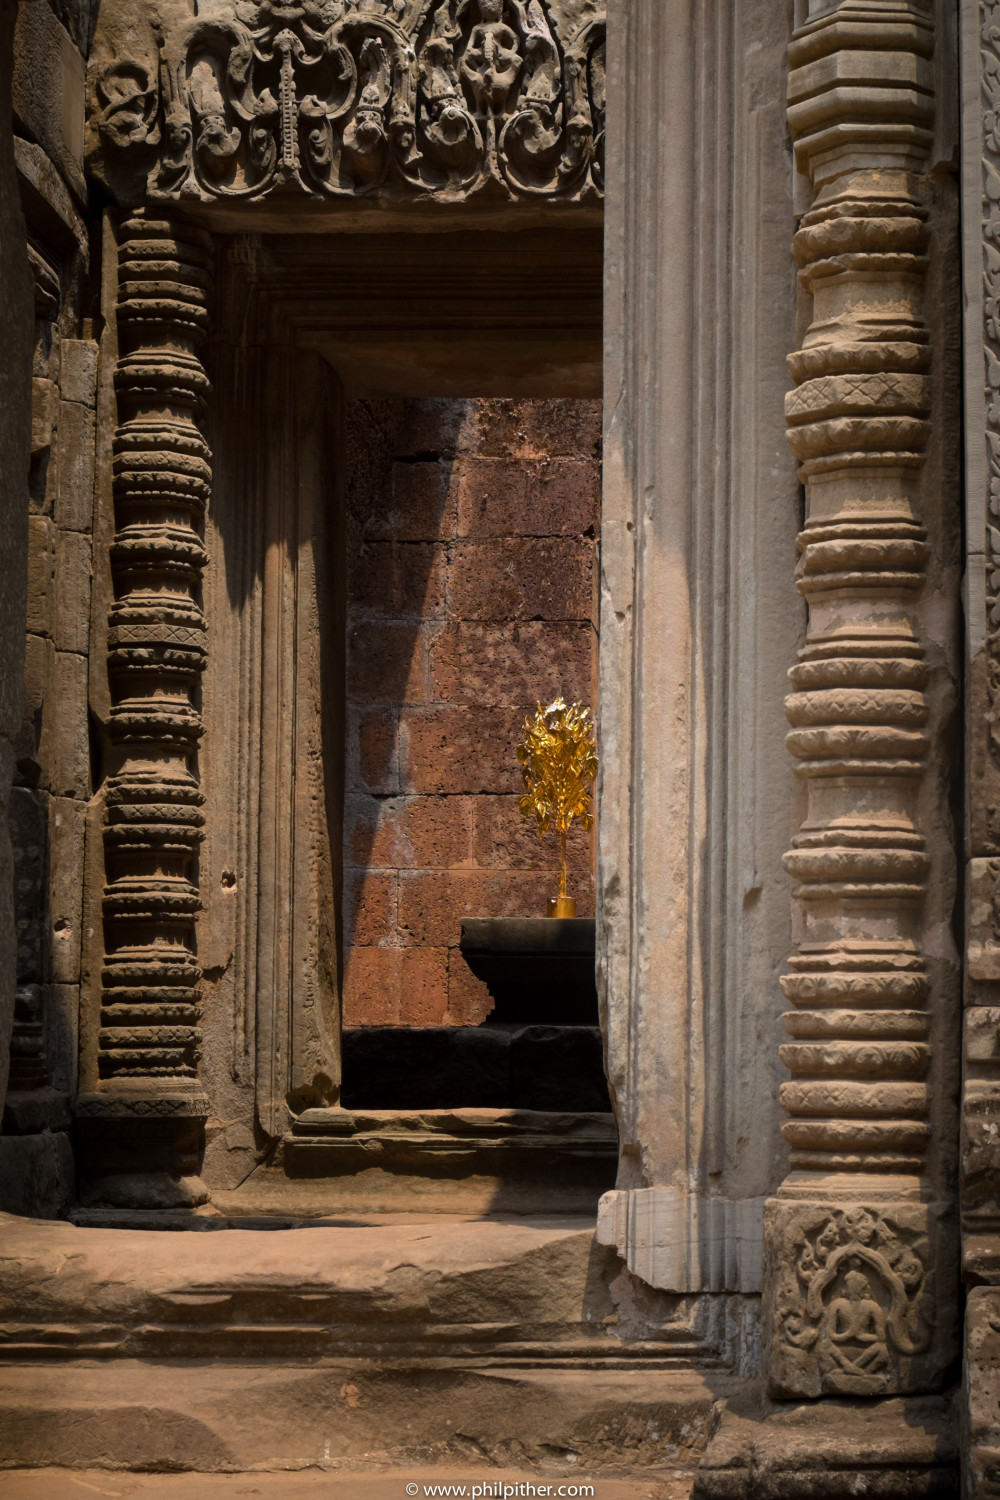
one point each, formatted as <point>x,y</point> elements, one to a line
<point>558,760</point>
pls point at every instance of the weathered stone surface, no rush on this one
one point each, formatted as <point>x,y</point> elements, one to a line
<point>436,678</point>
<point>48,89</point>
<point>38,1484</point>
<point>469,1162</point>
<point>523,578</point>
<point>78,370</point>
<point>681,1241</point>
<point>71,592</point>
<point>403,986</point>
<point>62,1036</point>
<point>506,108</point>
<point>337,1289</point>
<point>64,749</point>
<point>387,662</point>
<point>412,832</point>
<point>899,1450</point>
<point>510,664</point>
<point>15,438</point>
<point>67,829</point>
<point>466,749</point>
<point>498,497</point>
<point>74,503</point>
<point>42,541</point>
<point>28,836</point>
<point>982,1390</point>
<point>32,1112</point>
<point>559,1426</point>
<point>37,1175</point>
<point>858,1298</point>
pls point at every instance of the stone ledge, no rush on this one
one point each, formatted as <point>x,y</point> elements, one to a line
<point>223,1417</point>
<point>479,1292</point>
<point>901,1449</point>
<point>473,1160</point>
<point>315,1483</point>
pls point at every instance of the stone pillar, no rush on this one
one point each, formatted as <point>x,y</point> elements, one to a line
<point>980,1175</point>
<point>700,497</point>
<point>147,1052</point>
<point>858,1249</point>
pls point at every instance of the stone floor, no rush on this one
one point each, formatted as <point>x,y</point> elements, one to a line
<point>312,1484</point>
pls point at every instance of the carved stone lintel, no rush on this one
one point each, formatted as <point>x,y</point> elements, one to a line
<point>340,98</point>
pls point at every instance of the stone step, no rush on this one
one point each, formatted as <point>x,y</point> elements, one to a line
<point>472,1161</point>
<point>215,1417</point>
<point>483,1483</point>
<point>506,1343</point>
<point>518,1292</point>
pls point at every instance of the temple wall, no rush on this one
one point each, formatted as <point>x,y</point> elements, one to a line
<point>471,536</point>
<point>15,424</point>
<point>273,618</point>
<point>50,593</point>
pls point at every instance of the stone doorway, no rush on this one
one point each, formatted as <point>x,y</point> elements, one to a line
<point>388,437</point>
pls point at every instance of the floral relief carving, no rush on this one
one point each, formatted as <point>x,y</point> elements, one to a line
<point>336,98</point>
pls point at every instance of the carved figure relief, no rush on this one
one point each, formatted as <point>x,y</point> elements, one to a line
<point>857,1297</point>
<point>343,97</point>
<point>857,1300</point>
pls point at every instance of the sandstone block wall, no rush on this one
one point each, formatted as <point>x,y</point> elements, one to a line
<point>471,537</point>
<point>49,591</point>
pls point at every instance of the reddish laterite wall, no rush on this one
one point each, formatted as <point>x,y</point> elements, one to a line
<point>471,574</point>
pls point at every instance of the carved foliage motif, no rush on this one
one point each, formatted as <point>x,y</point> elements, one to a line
<point>858,421</point>
<point>155,657</point>
<point>345,97</point>
<point>855,1299</point>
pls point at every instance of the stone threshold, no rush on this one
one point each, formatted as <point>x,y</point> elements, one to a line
<point>217,1416</point>
<point>473,1162</point>
<point>903,1448</point>
<point>477,1294</point>
<point>324,1480</point>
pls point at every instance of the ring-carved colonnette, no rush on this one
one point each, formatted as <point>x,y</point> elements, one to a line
<point>148,1041</point>
<point>853,1239</point>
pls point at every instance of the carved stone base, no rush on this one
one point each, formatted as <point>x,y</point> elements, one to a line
<point>982,1392</point>
<point>897,1450</point>
<point>859,1297</point>
<point>141,1152</point>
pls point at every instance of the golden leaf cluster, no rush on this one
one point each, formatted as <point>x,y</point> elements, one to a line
<point>558,759</point>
